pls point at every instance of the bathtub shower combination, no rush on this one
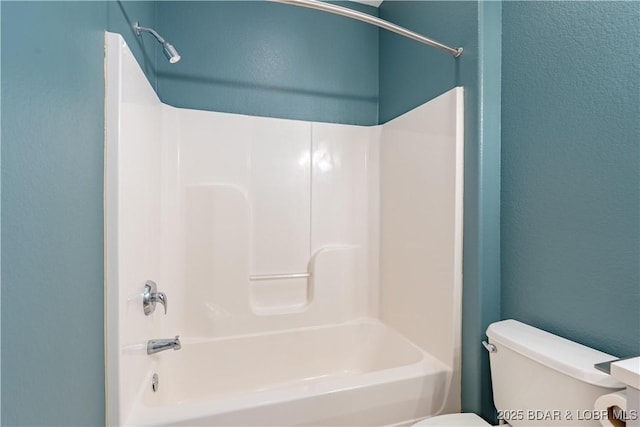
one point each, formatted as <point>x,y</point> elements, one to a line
<point>312,271</point>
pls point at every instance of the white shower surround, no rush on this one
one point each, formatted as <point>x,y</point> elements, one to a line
<point>199,201</point>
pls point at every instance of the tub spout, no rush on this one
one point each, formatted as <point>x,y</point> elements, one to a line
<point>156,346</point>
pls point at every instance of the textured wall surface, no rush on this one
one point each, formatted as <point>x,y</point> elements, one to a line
<point>272,60</point>
<point>52,241</point>
<point>570,166</point>
<point>570,170</point>
<point>411,74</point>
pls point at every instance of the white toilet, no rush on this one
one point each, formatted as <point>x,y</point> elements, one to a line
<point>539,379</point>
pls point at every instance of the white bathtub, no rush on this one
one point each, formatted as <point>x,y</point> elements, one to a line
<point>200,202</point>
<point>357,373</point>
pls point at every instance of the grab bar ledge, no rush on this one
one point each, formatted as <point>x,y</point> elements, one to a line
<point>257,277</point>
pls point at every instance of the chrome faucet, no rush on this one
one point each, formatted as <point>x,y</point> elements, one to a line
<point>156,346</point>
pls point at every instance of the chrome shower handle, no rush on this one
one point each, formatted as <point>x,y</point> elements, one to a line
<point>150,296</point>
<point>161,298</point>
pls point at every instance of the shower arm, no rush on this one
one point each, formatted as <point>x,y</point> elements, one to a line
<point>167,48</point>
<point>138,29</point>
<point>360,16</point>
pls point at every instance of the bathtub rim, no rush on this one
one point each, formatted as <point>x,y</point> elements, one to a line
<point>427,365</point>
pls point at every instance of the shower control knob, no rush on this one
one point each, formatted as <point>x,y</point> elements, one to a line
<point>150,297</point>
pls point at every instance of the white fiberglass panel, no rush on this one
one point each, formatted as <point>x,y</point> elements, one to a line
<point>260,198</point>
<point>214,164</point>
<point>344,211</point>
<point>421,177</point>
<point>133,201</point>
<point>215,148</point>
<point>217,235</point>
<point>280,196</point>
<point>341,171</point>
<point>280,193</point>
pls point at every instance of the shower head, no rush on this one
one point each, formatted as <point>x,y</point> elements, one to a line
<point>171,53</point>
<point>167,48</point>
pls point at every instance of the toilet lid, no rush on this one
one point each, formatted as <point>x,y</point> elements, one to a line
<point>458,420</point>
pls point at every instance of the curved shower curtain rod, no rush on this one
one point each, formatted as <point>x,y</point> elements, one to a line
<point>339,10</point>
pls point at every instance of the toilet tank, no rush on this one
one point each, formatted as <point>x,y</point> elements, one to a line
<point>541,379</point>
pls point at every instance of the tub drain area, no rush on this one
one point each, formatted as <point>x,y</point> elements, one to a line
<point>155,383</point>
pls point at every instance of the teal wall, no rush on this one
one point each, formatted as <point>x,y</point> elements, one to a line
<point>571,170</point>
<point>411,74</point>
<point>268,59</point>
<point>570,160</point>
<point>52,242</point>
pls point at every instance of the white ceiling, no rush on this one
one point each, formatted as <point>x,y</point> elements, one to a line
<point>374,3</point>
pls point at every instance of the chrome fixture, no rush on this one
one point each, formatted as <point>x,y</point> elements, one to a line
<point>354,14</point>
<point>155,383</point>
<point>156,346</point>
<point>490,347</point>
<point>167,48</point>
<point>150,296</point>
